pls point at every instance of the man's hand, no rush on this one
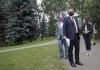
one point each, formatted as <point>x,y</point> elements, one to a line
<point>64,37</point>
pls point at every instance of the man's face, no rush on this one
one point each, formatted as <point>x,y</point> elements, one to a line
<point>71,12</point>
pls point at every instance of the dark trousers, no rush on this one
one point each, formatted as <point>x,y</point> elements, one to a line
<point>87,39</point>
<point>74,43</point>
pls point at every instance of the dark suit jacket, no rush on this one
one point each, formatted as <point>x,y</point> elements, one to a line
<point>89,28</point>
<point>68,28</point>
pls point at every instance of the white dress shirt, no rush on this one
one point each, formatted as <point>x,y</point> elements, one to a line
<point>61,24</point>
<point>86,29</point>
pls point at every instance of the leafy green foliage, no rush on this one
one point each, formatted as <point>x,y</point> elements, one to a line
<point>43,28</point>
<point>94,12</point>
<point>22,23</point>
<point>52,27</point>
<point>53,8</point>
<point>3,20</point>
<point>88,9</point>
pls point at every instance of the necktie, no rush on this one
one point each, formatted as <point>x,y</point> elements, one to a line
<point>75,25</point>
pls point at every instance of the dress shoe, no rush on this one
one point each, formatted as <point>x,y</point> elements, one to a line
<point>61,56</point>
<point>66,57</point>
<point>87,53</point>
<point>72,64</point>
<point>94,43</point>
<point>90,54</point>
<point>79,63</point>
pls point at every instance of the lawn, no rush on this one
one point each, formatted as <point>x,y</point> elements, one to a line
<point>28,43</point>
<point>98,41</point>
<point>40,58</point>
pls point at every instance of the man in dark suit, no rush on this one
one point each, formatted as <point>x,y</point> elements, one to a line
<point>71,31</point>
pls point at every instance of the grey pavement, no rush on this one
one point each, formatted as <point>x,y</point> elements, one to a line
<point>38,45</point>
<point>90,62</point>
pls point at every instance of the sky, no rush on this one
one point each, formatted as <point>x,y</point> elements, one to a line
<point>39,1</point>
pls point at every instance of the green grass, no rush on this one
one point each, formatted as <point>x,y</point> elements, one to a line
<point>28,43</point>
<point>98,41</point>
<point>40,58</point>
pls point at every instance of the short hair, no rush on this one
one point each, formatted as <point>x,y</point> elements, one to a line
<point>62,14</point>
<point>70,7</point>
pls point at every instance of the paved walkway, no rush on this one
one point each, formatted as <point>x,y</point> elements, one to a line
<point>44,44</point>
<point>90,62</point>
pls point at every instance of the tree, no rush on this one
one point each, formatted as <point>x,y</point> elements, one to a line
<point>52,8</point>
<point>79,6</point>
<point>3,20</point>
<point>52,27</point>
<point>94,12</point>
<point>43,28</point>
<point>88,9</point>
<point>23,22</point>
